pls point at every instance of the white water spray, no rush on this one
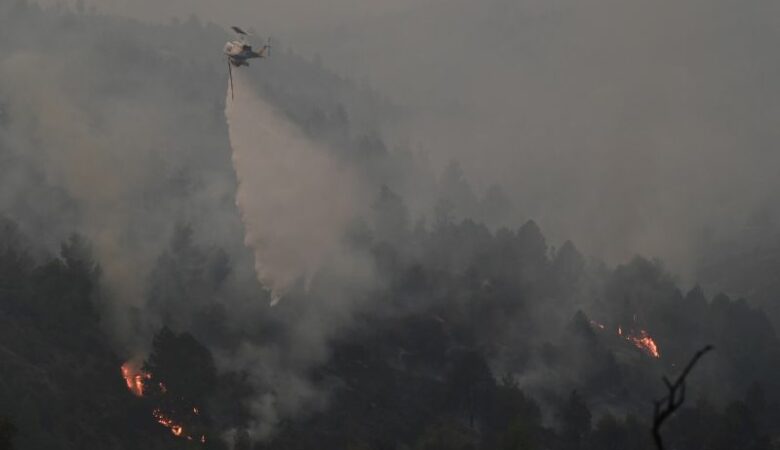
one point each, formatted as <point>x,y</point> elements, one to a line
<point>295,199</point>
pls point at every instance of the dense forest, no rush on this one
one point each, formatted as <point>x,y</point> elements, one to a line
<point>131,317</point>
<point>454,353</point>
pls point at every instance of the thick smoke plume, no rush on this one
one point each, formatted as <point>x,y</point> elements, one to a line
<point>295,200</point>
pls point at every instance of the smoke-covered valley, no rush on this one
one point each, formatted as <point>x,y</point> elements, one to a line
<point>317,262</point>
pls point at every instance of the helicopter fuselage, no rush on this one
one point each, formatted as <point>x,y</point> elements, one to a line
<point>239,53</point>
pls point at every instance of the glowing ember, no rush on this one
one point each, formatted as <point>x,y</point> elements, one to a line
<point>646,343</point>
<point>175,428</point>
<point>134,378</point>
<point>642,341</point>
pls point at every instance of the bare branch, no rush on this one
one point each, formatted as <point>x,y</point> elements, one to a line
<point>665,407</point>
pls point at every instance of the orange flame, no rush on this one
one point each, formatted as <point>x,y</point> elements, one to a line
<point>646,343</point>
<point>134,378</point>
<point>642,341</point>
<point>175,428</point>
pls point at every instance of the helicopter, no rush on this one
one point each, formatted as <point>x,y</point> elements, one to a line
<point>239,52</point>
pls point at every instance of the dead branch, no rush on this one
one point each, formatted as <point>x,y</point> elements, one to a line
<point>665,407</point>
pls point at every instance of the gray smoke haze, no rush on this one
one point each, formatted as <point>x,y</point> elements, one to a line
<point>112,135</point>
<point>108,168</point>
<point>626,126</point>
<point>630,127</point>
<point>73,156</point>
<point>281,16</point>
<point>296,200</point>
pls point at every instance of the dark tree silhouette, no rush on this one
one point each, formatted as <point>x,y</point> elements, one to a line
<point>470,383</point>
<point>7,432</point>
<point>665,407</point>
<point>575,418</point>
<point>183,379</point>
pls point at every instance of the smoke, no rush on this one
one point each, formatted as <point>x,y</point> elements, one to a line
<point>86,149</point>
<point>295,200</point>
<point>628,127</point>
<point>78,158</point>
<point>120,139</point>
<point>283,390</point>
<point>625,145</point>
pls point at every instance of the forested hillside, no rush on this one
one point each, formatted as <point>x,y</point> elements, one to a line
<point>131,316</point>
<point>450,357</point>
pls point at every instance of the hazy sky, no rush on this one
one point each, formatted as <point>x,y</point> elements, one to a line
<point>629,126</point>
<point>277,15</point>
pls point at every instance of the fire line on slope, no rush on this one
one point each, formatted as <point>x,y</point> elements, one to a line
<point>137,381</point>
<point>640,339</point>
